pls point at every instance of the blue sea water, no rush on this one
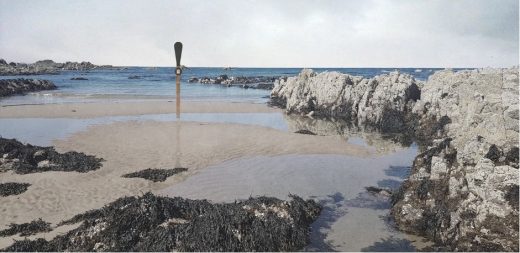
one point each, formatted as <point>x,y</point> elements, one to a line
<point>159,83</point>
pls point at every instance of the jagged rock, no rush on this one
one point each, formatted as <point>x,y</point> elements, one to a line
<point>25,159</point>
<point>463,188</point>
<point>382,101</point>
<point>461,191</point>
<point>152,223</point>
<point>10,87</point>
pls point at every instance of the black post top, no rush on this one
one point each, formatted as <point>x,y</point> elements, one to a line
<point>178,52</point>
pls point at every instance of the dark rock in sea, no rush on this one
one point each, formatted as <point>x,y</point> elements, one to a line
<point>155,175</point>
<point>46,67</point>
<point>79,78</point>
<point>305,131</point>
<point>27,229</point>
<point>8,189</point>
<point>153,223</point>
<point>134,77</point>
<point>246,82</point>
<point>10,87</point>
<point>25,159</point>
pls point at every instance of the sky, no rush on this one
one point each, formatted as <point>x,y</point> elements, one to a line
<point>264,33</point>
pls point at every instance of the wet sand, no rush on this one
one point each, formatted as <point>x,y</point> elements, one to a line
<point>90,110</point>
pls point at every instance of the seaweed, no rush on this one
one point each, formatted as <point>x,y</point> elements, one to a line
<point>7,189</point>
<point>25,159</point>
<point>26,229</point>
<point>155,175</point>
<point>154,223</point>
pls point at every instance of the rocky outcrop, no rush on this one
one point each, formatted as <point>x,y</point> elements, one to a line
<point>463,188</point>
<point>253,82</point>
<point>10,87</point>
<point>383,101</point>
<point>45,67</point>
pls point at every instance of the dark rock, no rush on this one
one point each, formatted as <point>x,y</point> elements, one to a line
<point>305,131</point>
<point>79,78</point>
<point>134,77</point>
<point>493,153</point>
<point>27,229</point>
<point>193,80</point>
<point>3,62</point>
<point>10,87</point>
<point>512,157</point>
<point>155,175</point>
<point>7,189</point>
<point>25,159</point>
<point>152,223</point>
<point>512,196</point>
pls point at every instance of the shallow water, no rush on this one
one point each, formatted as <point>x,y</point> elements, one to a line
<point>42,131</point>
<point>352,219</point>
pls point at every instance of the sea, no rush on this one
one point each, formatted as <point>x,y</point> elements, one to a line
<point>159,83</point>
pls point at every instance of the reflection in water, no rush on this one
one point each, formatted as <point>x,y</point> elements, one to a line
<point>382,143</point>
<point>351,220</point>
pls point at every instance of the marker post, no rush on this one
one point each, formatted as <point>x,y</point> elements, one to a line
<point>178,72</point>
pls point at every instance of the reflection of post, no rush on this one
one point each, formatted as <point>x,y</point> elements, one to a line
<point>178,72</point>
<point>178,97</point>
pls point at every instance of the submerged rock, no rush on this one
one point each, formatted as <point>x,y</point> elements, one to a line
<point>304,131</point>
<point>8,189</point>
<point>79,78</point>
<point>155,175</point>
<point>10,87</point>
<point>152,223</point>
<point>24,159</point>
<point>27,229</point>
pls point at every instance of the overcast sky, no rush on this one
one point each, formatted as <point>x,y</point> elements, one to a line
<point>247,33</point>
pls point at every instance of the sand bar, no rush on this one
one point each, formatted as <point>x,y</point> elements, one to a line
<point>90,110</point>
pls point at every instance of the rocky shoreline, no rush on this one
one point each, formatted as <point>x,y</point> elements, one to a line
<point>246,82</point>
<point>20,86</point>
<point>463,188</point>
<point>45,67</point>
